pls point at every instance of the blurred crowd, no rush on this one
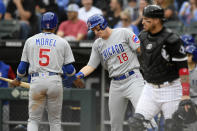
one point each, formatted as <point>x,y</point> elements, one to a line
<point>73,14</point>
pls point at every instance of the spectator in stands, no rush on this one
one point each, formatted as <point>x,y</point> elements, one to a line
<point>132,6</point>
<point>138,21</point>
<point>170,12</point>
<point>125,22</point>
<point>43,6</point>
<point>73,29</point>
<point>179,3</point>
<point>188,12</point>
<point>6,72</point>
<point>24,10</point>
<point>2,9</point>
<point>88,10</point>
<point>113,16</point>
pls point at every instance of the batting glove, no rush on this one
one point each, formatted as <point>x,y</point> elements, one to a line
<point>80,75</point>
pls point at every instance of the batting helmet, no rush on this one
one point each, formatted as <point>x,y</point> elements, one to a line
<point>49,20</point>
<point>95,20</point>
<point>153,11</point>
<point>188,40</point>
<point>192,50</point>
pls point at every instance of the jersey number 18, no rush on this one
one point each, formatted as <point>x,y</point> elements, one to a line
<point>123,57</point>
<point>41,55</point>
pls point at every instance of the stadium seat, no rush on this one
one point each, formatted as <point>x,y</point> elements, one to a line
<point>9,29</point>
<point>176,26</point>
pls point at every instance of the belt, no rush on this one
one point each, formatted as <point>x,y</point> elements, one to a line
<point>124,76</point>
<point>43,74</point>
<point>165,84</point>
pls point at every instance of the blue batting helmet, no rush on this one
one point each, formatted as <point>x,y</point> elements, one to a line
<point>192,50</point>
<point>188,40</point>
<point>49,20</point>
<point>95,20</point>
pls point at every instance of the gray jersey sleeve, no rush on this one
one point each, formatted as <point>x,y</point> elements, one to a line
<point>94,60</point>
<point>133,39</point>
<point>69,58</point>
<point>25,52</point>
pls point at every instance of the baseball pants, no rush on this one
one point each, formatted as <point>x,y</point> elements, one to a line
<point>46,91</point>
<point>121,91</point>
<point>154,99</point>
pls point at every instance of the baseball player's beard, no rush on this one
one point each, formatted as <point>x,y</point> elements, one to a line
<point>151,28</point>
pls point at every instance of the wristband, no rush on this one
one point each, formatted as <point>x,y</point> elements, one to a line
<point>185,89</point>
<point>184,75</point>
<point>80,74</point>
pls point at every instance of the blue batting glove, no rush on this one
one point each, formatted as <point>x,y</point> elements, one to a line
<point>68,81</point>
<point>79,75</point>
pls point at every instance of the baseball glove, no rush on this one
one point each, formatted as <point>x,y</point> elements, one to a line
<point>183,116</point>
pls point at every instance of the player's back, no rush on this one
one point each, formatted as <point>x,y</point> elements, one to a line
<point>46,52</point>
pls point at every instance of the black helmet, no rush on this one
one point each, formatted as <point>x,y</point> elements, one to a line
<point>153,11</point>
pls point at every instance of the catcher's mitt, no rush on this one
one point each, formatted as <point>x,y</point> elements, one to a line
<point>183,116</point>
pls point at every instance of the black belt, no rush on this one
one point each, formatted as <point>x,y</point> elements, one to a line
<point>49,73</point>
<point>124,76</point>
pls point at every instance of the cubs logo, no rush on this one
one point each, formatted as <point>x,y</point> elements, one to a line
<point>135,39</point>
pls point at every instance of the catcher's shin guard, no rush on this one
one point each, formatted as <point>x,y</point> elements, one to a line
<point>171,125</point>
<point>136,123</point>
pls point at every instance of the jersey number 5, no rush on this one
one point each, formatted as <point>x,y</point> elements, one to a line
<point>41,55</point>
<point>122,57</point>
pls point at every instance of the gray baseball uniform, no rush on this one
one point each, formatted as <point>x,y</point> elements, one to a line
<point>193,92</point>
<point>193,81</point>
<point>117,54</point>
<point>46,53</point>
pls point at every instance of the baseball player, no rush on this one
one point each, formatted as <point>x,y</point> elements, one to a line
<point>116,50</point>
<point>45,54</point>
<point>164,65</point>
<point>187,40</point>
<point>191,51</point>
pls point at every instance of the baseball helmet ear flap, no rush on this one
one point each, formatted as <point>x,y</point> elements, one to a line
<point>95,20</point>
<point>192,50</point>
<point>194,58</point>
<point>104,24</point>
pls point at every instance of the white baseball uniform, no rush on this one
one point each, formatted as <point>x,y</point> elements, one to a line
<point>46,53</point>
<point>117,54</point>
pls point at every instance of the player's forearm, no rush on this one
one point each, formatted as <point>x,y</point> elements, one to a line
<point>87,70</point>
<point>21,70</point>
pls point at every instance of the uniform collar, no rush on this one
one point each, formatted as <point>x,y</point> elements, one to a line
<point>158,32</point>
